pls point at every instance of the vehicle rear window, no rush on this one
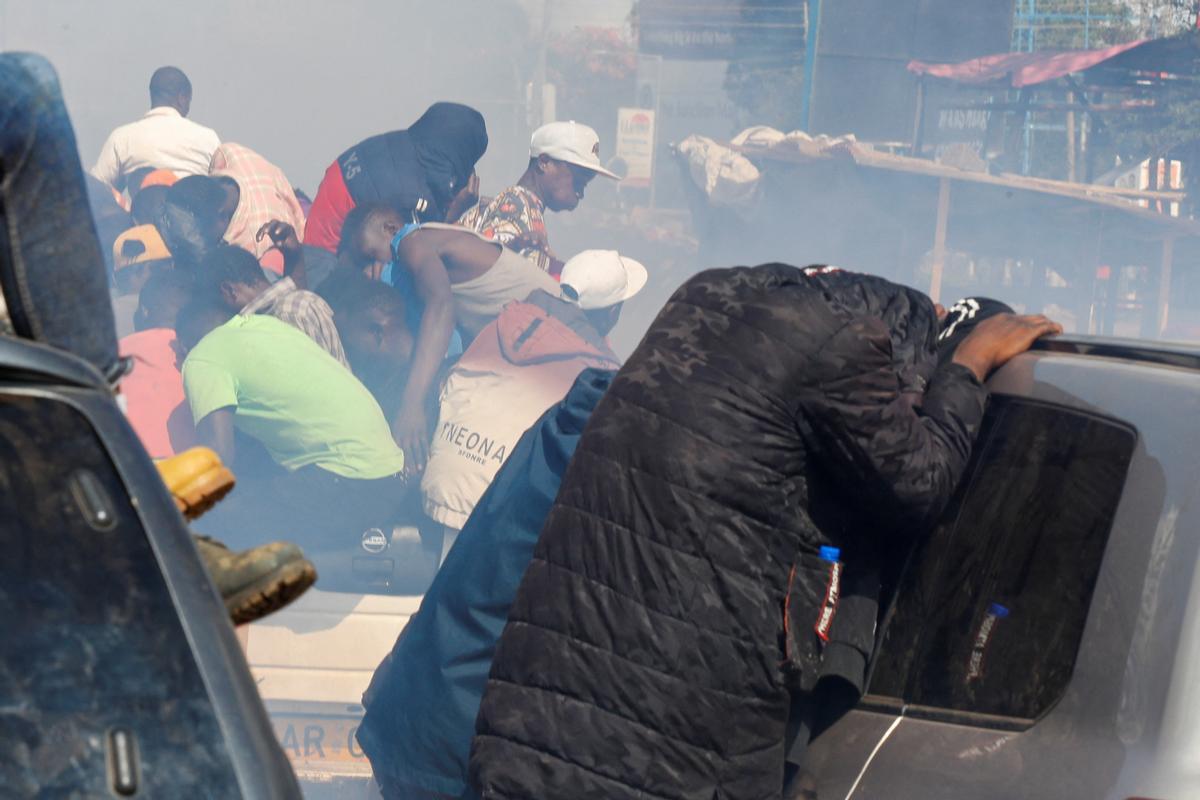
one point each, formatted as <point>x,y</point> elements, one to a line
<point>992,606</point>
<point>92,653</point>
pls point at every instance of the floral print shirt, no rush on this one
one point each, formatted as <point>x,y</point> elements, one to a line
<point>516,219</point>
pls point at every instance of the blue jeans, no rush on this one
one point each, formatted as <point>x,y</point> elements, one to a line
<point>52,270</point>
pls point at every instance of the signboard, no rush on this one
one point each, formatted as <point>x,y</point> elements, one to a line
<point>719,29</point>
<point>955,123</point>
<point>635,145</point>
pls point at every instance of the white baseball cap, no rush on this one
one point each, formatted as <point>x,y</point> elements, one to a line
<point>602,278</point>
<point>572,143</point>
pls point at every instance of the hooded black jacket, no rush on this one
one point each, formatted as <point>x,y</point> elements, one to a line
<point>767,412</point>
<point>419,169</point>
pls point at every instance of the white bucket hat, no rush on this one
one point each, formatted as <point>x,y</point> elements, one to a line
<point>602,278</point>
<point>572,143</point>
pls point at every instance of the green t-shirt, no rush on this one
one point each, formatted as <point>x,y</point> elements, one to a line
<point>291,395</point>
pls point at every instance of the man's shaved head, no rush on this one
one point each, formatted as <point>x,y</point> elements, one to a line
<point>170,87</point>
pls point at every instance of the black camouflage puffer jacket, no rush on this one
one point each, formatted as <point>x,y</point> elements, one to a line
<point>646,654</point>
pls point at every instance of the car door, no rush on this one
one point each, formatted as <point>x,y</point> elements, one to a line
<point>119,671</point>
<point>1002,669</point>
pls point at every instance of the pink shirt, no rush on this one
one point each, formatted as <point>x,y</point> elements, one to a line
<point>153,392</point>
<point>266,194</point>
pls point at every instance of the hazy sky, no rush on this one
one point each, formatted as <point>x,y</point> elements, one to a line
<point>298,80</point>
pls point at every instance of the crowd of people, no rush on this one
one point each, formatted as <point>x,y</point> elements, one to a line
<point>660,578</point>
<point>376,351</point>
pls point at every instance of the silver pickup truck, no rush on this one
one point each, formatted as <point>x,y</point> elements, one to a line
<point>1045,641</point>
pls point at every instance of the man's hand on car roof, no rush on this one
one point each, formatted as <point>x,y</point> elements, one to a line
<point>1000,338</point>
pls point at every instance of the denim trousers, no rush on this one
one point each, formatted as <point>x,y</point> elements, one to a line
<point>52,271</point>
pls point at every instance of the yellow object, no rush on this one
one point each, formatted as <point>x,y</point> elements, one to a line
<point>138,245</point>
<point>197,480</point>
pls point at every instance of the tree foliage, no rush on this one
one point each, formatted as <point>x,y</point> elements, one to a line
<point>1078,24</point>
<point>1172,123</point>
<point>765,92</point>
<point>595,71</point>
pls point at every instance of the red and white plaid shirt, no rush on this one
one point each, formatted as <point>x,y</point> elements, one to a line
<point>266,195</point>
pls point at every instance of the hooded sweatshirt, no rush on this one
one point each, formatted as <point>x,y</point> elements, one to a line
<point>418,170</point>
<point>519,366</point>
<point>449,139</point>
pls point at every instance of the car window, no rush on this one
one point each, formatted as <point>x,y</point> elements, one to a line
<point>99,693</point>
<point>991,609</point>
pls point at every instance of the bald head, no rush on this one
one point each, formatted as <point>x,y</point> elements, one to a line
<point>170,87</point>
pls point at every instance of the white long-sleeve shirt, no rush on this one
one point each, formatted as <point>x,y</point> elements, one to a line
<point>163,139</point>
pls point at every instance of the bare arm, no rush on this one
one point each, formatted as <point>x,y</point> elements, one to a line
<point>216,431</point>
<point>283,236</point>
<point>410,428</point>
<point>467,196</point>
<point>903,461</point>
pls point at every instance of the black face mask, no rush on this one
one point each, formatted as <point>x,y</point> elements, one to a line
<point>961,319</point>
<point>449,139</point>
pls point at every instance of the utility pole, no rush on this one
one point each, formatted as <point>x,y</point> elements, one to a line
<point>811,42</point>
<point>541,93</point>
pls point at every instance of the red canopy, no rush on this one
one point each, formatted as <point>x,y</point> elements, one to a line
<point>1023,69</point>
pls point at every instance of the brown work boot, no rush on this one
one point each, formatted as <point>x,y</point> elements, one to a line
<point>197,480</point>
<point>258,581</point>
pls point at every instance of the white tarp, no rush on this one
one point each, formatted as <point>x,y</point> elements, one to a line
<point>727,177</point>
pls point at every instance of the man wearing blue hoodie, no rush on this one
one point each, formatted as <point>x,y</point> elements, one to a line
<point>422,702</point>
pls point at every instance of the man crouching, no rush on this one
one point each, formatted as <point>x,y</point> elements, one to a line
<point>770,415</point>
